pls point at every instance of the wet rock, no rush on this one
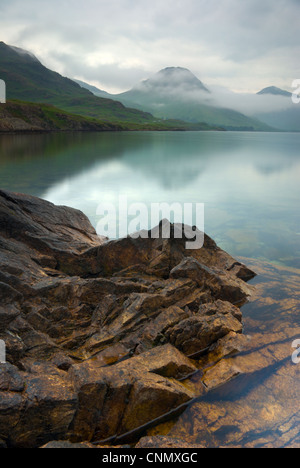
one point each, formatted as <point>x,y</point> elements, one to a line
<point>219,374</point>
<point>64,444</point>
<point>259,408</point>
<point>196,334</point>
<point>49,409</point>
<point>95,330</point>
<point>158,442</point>
<point>124,397</point>
<point>11,379</point>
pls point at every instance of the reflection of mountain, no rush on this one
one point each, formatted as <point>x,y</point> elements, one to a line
<point>45,160</point>
<point>176,160</point>
<point>34,164</point>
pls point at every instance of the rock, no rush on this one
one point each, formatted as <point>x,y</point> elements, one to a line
<point>231,344</point>
<point>153,397</point>
<point>50,405</point>
<point>11,379</point>
<point>95,331</point>
<point>220,307</point>
<point>260,407</point>
<point>163,442</point>
<point>198,333</point>
<point>129,394</point>
<point>166,361</point>
<point>219,374</point>
<point>64,444</point>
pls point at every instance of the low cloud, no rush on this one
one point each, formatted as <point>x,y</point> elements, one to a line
<point>250,104</point>
<point>244,45</point>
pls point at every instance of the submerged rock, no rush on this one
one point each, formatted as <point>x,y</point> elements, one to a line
<point>98,333</point>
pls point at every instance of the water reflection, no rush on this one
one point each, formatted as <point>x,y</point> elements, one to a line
<point>248,181</point>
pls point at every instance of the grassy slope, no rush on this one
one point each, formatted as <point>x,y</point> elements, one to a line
<point>191,111</point>
<point>28,117</point>
<point>29,81</point>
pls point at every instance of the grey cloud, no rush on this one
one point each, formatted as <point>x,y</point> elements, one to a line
<point>250,40</point>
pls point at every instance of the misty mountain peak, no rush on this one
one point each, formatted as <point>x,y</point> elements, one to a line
<point>174,78</point>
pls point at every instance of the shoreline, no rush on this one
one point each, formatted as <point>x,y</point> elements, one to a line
<point>105,329</point>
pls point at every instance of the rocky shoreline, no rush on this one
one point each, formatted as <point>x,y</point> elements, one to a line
<point>100,336</point>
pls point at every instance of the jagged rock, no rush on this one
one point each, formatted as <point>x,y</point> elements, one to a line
<point>196,334</point>
<point>10,378</point>
<point>95,330</point>
<point>129,394</point>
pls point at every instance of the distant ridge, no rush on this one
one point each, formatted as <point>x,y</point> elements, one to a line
<point>176,93</point>
<point>93,89</point>
<point>275,91</point>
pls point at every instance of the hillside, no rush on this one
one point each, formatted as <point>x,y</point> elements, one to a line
<point>28,80</point>
<point>17,116</point>
<point>176,93</point>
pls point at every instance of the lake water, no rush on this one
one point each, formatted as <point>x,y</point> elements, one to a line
<point>249,183</point>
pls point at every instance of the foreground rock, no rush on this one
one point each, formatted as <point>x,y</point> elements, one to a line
<point>99,334</point>
<point>260,407</point>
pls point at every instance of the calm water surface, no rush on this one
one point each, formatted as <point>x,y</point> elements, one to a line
<point>249,183</point>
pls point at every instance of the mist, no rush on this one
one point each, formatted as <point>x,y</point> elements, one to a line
<point>247,103</point>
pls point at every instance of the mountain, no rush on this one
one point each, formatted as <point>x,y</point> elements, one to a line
<point>96,91</point>
<point>176,93</point>
<point>28,80</point>
<point>287,115</point>
<point>274,91</point>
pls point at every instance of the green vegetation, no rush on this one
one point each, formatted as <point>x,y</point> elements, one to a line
<point>29,117</point>
<point>61,104</point>
<point>28,80</point>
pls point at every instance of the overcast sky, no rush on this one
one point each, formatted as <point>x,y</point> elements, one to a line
<point>245,45</point>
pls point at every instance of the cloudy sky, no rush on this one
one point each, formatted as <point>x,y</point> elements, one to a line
<point>245,45</point>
